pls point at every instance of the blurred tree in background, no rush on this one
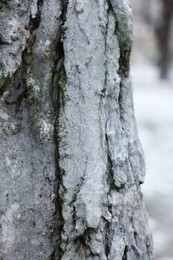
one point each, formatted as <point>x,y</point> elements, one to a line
<point>162,30</point>
<point>153,19</point>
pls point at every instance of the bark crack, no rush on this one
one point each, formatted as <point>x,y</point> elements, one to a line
<point>125,257</point>
<point>18,80</point>
<point>57,94</point>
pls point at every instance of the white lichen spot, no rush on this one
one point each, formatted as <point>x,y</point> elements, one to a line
<point>13,167</point>
<point>32,83</point>
<point>46,130</point>
<point>34,8</point>
<point>3,116</point>
<point>79,6</point>
<point>53,196</point>
<point>8,125</point>
<point>44,48</point>
<point>10,235</point>
<point>47,42</point>
<point>10,128</point>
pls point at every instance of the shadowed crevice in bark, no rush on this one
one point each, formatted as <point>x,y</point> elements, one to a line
<point>16,84</point>
<point>58,172</point>
<point>35,21</point>
<point>108,224</point>
<point>18,88</point>
<point>125,253</point>
<point>57,96</point>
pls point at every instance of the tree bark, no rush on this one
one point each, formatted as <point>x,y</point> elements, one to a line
<point>71,163</point>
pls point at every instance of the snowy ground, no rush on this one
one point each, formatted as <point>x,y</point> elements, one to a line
<point>153,101</point>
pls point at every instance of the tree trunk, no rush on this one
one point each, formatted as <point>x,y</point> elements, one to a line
<point>71,163</point>
<point>163,36</point>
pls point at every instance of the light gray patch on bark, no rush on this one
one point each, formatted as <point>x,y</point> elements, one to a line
<point>98,134</point>
<point>14,18</point>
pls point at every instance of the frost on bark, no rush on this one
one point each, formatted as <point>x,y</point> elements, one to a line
<point>71,163</point>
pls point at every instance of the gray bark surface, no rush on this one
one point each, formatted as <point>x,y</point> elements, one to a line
<point>71,163</point>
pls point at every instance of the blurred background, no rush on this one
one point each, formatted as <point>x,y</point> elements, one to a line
<point>152,75</point>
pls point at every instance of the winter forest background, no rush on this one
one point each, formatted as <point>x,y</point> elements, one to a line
<point>153,101</point>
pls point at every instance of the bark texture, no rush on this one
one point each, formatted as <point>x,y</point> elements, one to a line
<point>71,163</point>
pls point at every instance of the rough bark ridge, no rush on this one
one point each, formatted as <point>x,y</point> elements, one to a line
<point>29,35</point>
<point>101,160</point>
<point>71,164</point>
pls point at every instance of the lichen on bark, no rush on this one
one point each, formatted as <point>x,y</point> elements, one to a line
<point>74,164</point>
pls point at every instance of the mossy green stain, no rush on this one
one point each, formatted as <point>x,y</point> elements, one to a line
<point>63,87</point>
<point>2,81</point>
<point>8,127</point>
<point>32,95</point>
<point>123,33</point>
<point>59,126</point>
<point>2,15</point>
<point>32,100</point>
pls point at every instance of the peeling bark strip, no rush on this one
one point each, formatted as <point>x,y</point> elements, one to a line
<point>70,159</point>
